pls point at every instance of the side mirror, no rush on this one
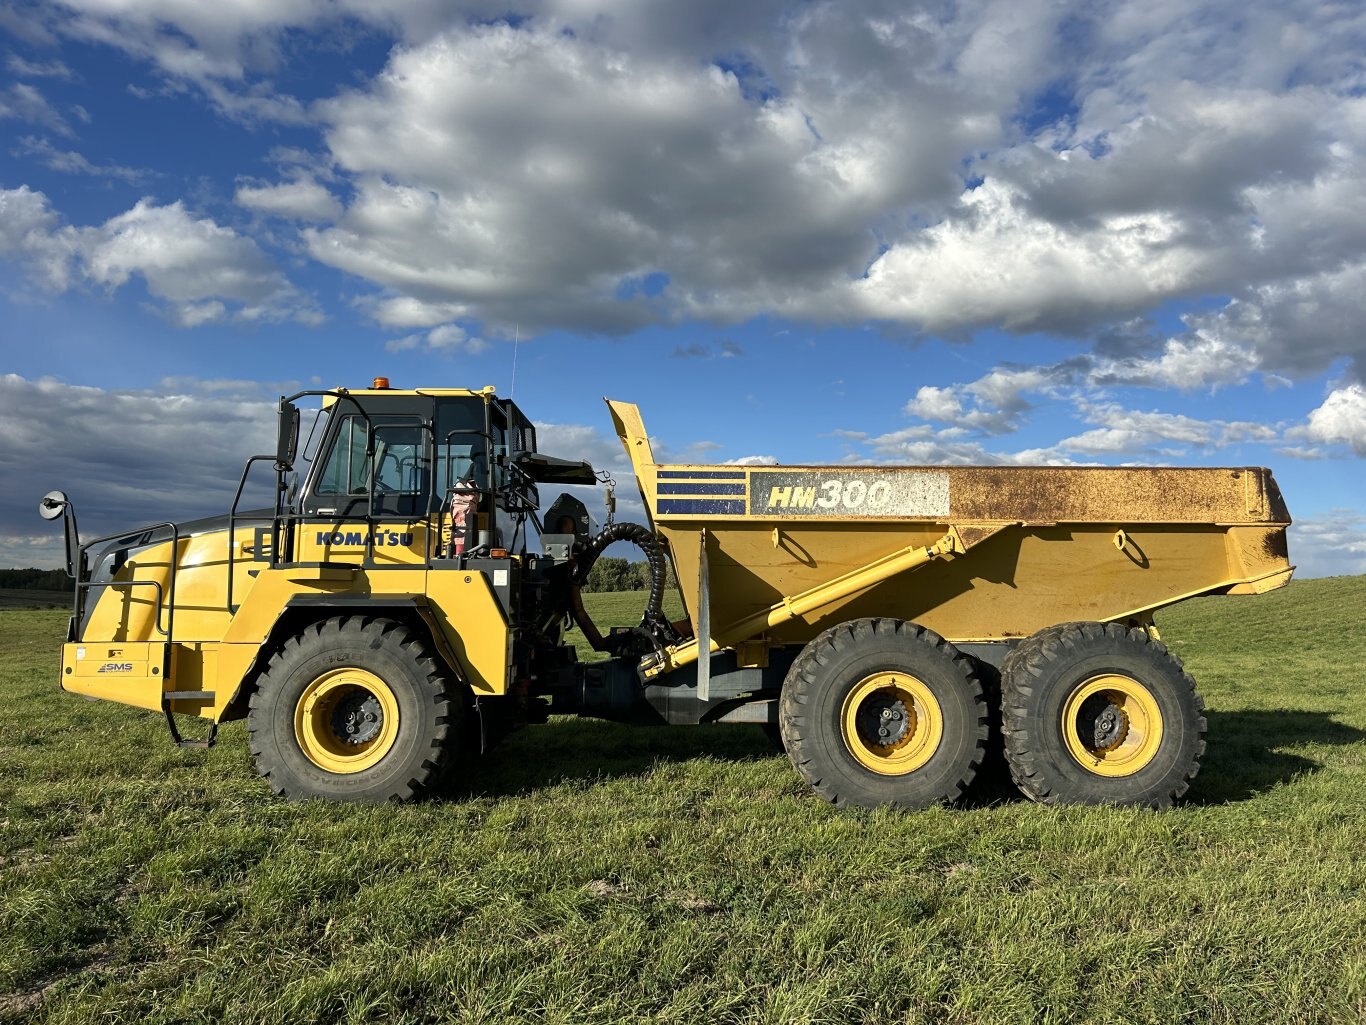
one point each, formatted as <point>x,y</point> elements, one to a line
<point>52,505</point>
<point>287,440</point>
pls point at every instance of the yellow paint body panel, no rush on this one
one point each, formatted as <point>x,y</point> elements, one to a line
<point>1041,545</point>
<point>214,647</point>
<point>130,672</point>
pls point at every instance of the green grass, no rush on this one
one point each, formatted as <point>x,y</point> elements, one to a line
<point>592,873</point>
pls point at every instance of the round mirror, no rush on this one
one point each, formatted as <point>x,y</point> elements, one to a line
<point>52,505</point>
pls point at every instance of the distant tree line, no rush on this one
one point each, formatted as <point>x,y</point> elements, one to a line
<point>610,573</point>
<point>35,579</point>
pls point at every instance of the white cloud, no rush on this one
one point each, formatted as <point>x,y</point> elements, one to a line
<point>538,170</point>
<point>752,461</point>
<point>195,266</point>
<point>994,262</point>
<point>1340,420</point>
<point>405,311</point>
<point>71,162</point>
<point>33,551</point>
<point>30,232</point>
<point>449,338</point>
<point>1333,544</point>
<point>302,198</point>
<point>1130,431</point>
<point>125,457</point>
<point>1299,326</point>
<point>997,397</point>
<point>923,445</point>
<point>217,47</point>
<point>934,403</point>
<point>38,69</point>
<point>23,102</point>
<point>1195,363</point>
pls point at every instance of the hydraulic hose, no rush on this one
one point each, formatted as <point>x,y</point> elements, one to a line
<point>653,620</point>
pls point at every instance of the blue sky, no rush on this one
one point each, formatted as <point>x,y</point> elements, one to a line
<point>1027,232</point>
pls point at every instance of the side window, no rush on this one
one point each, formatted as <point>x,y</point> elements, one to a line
<point>399,463</point>
<point>400,459</point>
<point>346,471</point>
<point>461,452</point>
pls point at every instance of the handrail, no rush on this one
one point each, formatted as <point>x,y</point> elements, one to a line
<point>232,521</point>
<point>165,597</point>
<point>86,584</point>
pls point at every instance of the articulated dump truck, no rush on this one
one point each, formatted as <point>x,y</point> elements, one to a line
<point>405,602</point>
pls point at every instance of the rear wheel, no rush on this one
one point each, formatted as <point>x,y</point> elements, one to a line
<point>1100,713</point>
<point>880,712</point>
<point>354,709</point>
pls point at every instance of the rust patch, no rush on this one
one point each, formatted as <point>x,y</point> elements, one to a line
<point>1274,545</point>
<point>1045,494</point>
<point>1277,512</point>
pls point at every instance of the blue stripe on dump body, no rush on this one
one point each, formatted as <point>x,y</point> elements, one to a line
<point>700,507</point>
<point>702,489</point>
<point>701,474</point>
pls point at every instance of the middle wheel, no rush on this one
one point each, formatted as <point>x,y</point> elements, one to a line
<point>881,712</point>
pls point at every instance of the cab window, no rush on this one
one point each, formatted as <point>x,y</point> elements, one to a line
<point>398,467</point>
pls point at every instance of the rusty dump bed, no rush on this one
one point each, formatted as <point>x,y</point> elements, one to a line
<point>974,553</point>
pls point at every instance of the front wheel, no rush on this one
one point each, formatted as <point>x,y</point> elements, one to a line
<point>1100,713</point>
<point>879,712</point>
<point>353,709</point>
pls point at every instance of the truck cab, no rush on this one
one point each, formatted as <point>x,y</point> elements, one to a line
<point>416,506</point>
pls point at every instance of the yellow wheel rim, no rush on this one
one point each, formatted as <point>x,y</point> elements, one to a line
<point>891,723</point>
<point>346,720</point>
<point>1112,725</point>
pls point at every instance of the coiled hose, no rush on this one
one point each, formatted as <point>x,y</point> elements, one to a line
<point>653,624</point>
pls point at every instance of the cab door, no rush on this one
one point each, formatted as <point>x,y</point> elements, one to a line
<point>370,496</point>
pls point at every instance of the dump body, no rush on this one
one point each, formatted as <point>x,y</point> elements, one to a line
<point>1035,546</point>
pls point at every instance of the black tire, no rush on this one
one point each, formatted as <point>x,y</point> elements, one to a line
<point>1144,760</point>
<point>820,696</point>
<point>429,721</point>
<point>992,782</point>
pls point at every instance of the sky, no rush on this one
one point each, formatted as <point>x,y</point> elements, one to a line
<point>1005,232</point>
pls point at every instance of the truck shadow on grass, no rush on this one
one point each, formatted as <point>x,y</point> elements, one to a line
<point>1244,756</point>
<point>592,751</point>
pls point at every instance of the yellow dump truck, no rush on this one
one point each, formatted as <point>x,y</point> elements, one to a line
<point>405,601</point>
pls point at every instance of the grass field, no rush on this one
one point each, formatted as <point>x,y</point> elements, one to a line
<point>592,873</point>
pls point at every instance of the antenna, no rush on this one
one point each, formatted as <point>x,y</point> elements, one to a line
<point>516,344</point>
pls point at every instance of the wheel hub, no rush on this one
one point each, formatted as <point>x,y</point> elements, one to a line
<point>358,718</point>
<point>891,723</point>
<point>1112,725</point>
<point>884,721</point>
<point>346,720</point>
<point>1102,724</point>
